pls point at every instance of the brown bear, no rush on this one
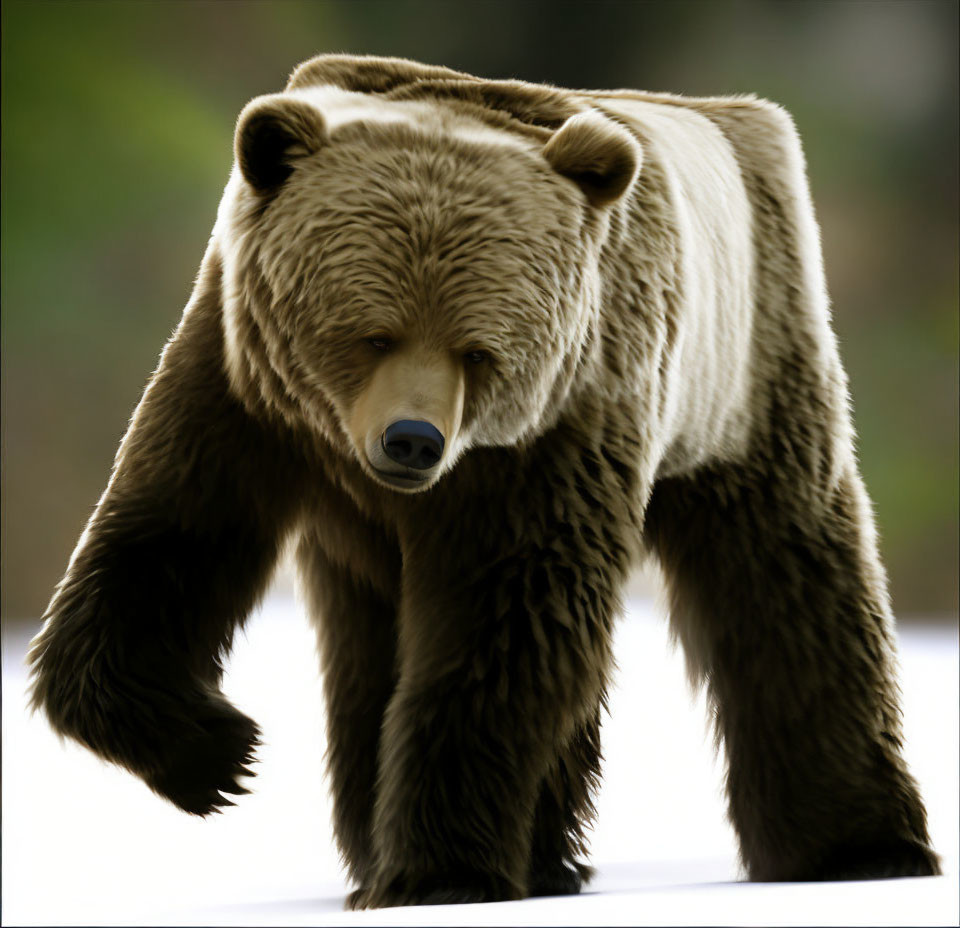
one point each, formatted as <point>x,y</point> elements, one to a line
<point>479,347</point>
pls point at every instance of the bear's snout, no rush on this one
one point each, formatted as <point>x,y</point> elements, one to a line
<point>413,443</point>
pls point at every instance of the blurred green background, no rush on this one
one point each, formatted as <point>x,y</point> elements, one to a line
<point>117,130</point>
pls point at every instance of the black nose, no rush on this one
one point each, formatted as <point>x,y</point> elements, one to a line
<point>413,443</point>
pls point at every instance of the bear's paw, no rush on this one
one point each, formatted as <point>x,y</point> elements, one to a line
<point>879,861</point>
<point>208,762</point>
<point>407,889</point>
<point>558,879</point>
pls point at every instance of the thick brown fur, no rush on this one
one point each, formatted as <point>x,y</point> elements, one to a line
<point>611,307</point>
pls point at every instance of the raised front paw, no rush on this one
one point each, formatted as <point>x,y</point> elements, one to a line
<point>208,761</point>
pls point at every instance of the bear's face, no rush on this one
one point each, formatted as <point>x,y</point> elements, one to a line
<point>410,280</point>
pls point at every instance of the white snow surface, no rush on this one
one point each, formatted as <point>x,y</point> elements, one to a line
<point>85,843</point>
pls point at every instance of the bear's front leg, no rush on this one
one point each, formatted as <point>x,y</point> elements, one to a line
<point>500,667</point>
<point>178,550</point>
<point>351,604</point>
<point>780,601</point>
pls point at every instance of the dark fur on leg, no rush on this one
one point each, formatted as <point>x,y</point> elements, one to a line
<point>564,812</point>
<point>177,552</point>
<point>356,631</point>
<point>780,601</point>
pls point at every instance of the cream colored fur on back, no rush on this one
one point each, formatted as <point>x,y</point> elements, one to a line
<point>706,376</point>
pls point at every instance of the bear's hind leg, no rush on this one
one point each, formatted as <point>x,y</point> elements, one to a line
<point>779,599</point>
<point>357,641</point>
<point>564,812</point>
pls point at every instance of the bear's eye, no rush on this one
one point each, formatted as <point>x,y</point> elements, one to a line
<point>380,342</point>
<point>476,357</point>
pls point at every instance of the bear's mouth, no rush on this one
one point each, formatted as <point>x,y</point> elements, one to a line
<point>401,481</point>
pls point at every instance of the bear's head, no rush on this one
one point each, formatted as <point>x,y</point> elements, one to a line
<point>412,278</point>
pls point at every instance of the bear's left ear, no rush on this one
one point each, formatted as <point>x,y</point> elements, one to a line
<point>601,157</point>
<point>271,131</point>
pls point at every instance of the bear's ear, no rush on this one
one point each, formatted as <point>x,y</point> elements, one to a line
<point>601,157</point>
<point>271,132</point>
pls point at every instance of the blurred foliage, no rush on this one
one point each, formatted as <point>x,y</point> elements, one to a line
<point>117,133</point>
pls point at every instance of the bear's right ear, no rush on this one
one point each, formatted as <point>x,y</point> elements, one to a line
<point>271,131</point>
